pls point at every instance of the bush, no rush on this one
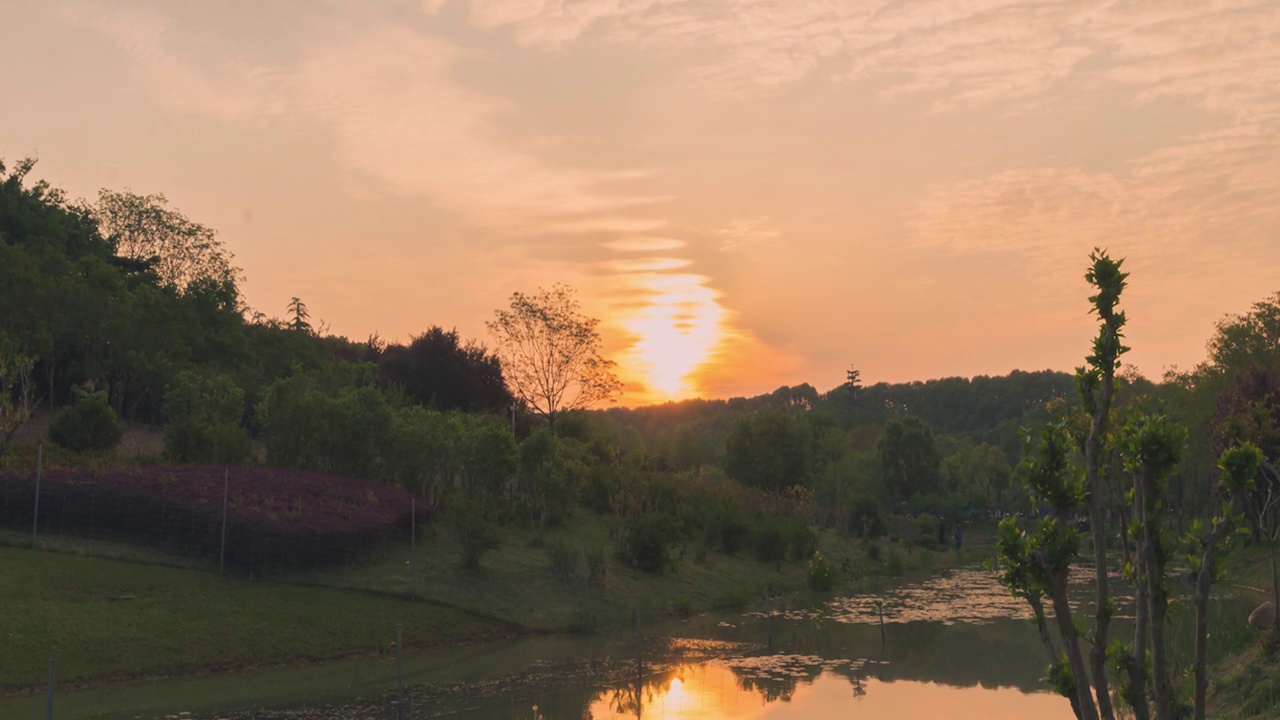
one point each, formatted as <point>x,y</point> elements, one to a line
<point>87,424</point>
<point>564,560</point>
<point>646,545</point>
<point>873,551</point>
<point>867,517</point>
<point>770,542</point>
<point>471,526</point>
<point>927,527</point>
<point>732,530</point>
<point>204,414</point>
<point>597,567</point>
<point>894,566</point>
<point>277,518</point>
<point>820,575</point>
<point>801,541</point>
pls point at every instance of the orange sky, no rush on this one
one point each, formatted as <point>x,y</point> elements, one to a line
<point>748,192</point>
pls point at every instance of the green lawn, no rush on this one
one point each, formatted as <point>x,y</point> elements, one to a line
<point>60,606</point>
<point>57,602</point>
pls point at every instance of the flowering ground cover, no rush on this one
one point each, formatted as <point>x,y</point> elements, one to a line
<point>276,518</point>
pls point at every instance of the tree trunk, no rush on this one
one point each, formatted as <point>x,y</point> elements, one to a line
<point>1203,580</point>
<point>1046,637</point>
<point>1097,524</point>
<point>1156,598</point>
<point>1070,640</point>
<point>1137,662</point>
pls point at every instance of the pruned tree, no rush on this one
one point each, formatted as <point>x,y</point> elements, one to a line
<point>146,231</point>
<point>550,353</point>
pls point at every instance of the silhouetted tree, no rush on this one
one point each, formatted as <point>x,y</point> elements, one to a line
<point>437,370</point>
<point>550,353</point>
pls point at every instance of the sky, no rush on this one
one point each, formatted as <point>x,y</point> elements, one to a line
<point>747,193</point>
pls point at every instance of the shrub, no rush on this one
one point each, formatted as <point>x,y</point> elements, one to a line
<point>873,550</point>
<point>732,529</point>
<point>204,414</point>
<point>89,423</point>
<point>564,560</point>
<point>597,567</point>
<point>801,541</point>
<point>894,565</point>
<point>927,527</point>
<point>276,518</point>
<point>646,545</point>
<point>474,531</point>
<point>770,542</point>
<point>820,575</point>
<point>867,517</point>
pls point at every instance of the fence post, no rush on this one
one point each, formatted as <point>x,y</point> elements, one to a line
<point>413,547</point>
<point>35,513</point>
<point>222,546</point>
<point>399,676</point>
<point>48,712</point>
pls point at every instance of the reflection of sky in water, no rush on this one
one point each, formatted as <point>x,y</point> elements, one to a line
<point>721,690</point>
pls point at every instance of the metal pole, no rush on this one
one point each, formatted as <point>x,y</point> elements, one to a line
<point>880,607</point>
<point>35,513</point>
<point>768,620</point>
<point>399,677</point>
<point>48,713</point>
<point>222,548</point>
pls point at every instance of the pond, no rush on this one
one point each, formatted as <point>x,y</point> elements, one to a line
<point>956,645</point>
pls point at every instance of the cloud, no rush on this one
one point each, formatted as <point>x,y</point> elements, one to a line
<point>747,234</point>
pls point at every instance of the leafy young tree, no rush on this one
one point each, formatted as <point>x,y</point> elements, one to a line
<point>550,353</point>
<point>145,229</point>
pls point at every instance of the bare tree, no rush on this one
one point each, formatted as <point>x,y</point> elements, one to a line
<point>550,353</point>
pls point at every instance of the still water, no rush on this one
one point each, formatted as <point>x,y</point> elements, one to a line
<point>954,646</point>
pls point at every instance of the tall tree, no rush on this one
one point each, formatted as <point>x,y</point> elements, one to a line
<point>550,353</point>
<point>299,317</point>
<point>145,229</point>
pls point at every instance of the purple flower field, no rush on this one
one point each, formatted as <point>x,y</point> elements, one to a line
<point>277,518</point>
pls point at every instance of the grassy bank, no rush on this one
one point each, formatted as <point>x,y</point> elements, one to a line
<point>1246,685</point>
<point>108,619</point>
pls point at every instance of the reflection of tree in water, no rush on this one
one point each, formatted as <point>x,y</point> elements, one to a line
<point>630,698</point>
<point>776,677</point>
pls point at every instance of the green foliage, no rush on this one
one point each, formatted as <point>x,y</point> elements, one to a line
<point>819,576</point>
<point>1239,464</point>
<point>474,530</point>
<point>647,542</point>
<point>926,531</point>
<point>88,424</point>
<point>1060,678</point>
<point>564,560</point>
<point>769,449</point>
<point>1047,470</point>
<point>1154,441</point>
<point>866,517</point>
<point>909,454</point>
<point>770,542</point>
<point>204,414</point>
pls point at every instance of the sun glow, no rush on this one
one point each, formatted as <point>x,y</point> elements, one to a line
<point>677,325</point>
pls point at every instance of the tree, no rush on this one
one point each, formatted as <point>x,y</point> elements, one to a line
<point>770,449</point>
<point>550,353</point>
<point>910,457</point>
<point>299,316</point>
<point>204,413</point>
<point>145,230</point>
<point>437,370</point>
<point>16,401</point>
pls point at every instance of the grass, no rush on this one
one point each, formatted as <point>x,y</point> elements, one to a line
<point>57,601</point>
<point>169,621</point>
<point>1246,684</point>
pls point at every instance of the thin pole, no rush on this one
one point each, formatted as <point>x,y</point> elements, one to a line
<point>413,544</point>
<point>35,513</point>
<point>399,677</point>
<point>222,549</point>
<point>48,712</point>
<point>880,607</point>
